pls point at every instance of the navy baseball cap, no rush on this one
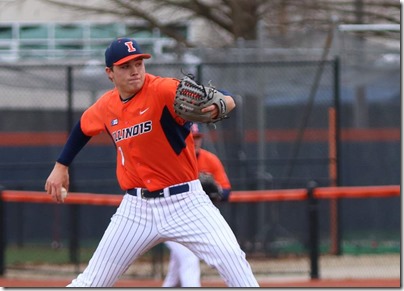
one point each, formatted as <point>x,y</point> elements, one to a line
<point>122,50</point>
<point>195,130</point>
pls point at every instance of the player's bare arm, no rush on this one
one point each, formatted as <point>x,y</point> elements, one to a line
<point>58,178</point>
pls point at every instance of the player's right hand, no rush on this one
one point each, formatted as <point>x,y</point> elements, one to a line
<point>58,178</point>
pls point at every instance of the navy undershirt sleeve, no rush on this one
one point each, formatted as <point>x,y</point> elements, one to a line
<point>225,194</point>
<point>225,92</point>
<point>76,141</point>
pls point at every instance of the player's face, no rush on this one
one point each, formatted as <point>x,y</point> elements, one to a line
<point>197,143</point>
<point>128,77</point>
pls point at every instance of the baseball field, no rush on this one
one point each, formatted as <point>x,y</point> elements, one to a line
<point>353,269</point>
<point>344,271</point>
<point>326,283</point>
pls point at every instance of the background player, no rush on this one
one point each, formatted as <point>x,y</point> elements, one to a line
<point>156,167</point>
<point>183,267</point>
<point>210,164</point>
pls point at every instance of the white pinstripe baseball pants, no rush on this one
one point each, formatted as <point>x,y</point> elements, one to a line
<point>189,218</point>
<point>183,267</point>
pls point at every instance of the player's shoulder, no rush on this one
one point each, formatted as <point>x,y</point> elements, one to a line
<point>208,154</point>
<point>106,100</point>
<point>108,96</point>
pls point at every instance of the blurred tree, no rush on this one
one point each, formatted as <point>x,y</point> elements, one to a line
<point>244,19</point>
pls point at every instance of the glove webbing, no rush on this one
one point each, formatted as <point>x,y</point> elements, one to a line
<point>194,91</point>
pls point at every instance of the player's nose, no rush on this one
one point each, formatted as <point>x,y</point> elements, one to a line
<point>133,69</point>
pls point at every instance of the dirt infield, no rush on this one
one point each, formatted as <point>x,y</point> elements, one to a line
<point>386,283</point>
<point>338,272</point>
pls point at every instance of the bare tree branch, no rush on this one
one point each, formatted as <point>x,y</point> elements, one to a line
<point>240,18</point>
<point>123,8</point>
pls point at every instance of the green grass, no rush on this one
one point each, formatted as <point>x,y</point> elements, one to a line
<point>348,247</point>
<point>39,254</point>
<point>358,247</point>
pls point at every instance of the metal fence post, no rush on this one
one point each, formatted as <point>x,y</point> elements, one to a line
<point>313,229</point>
<point>74,210</point>
<point>337,84</point>
<point>2,233</point>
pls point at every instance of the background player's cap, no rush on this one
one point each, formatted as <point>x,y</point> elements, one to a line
<point>122,50</point>
<point>195,130</point>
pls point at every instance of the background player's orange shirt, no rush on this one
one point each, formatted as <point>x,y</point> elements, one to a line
<point>210,163</point>
<point>154,147</point>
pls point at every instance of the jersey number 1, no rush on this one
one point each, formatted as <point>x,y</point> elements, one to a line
<point>122,156</point>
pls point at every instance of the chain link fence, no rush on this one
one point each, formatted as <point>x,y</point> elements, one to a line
<point>278,137</point>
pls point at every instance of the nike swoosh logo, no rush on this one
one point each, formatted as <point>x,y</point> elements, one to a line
<point>143,111</point>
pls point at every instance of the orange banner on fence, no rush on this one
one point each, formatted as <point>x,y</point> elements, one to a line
<point>357,192</point>
<point>73,198</point>
<point>280,135</point>
<point>236,196</point>
<point>268,195</point>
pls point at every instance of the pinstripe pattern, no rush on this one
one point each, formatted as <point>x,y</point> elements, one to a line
<point>183,268</point>
<point>189,218</point>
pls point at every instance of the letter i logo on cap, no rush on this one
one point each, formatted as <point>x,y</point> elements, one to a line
<point>130,46</point>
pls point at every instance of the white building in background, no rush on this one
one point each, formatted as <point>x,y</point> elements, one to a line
<point>32,30</point>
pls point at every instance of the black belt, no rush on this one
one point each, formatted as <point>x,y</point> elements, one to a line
<point>159,193</point>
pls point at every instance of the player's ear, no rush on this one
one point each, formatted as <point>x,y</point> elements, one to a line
<point>109,71</point>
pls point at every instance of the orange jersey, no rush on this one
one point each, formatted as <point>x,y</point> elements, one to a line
<point>210,163</point>
<point>154,146</point>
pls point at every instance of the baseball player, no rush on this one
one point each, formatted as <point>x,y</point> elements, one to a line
<point>157,169</point>
<point>183,266</point>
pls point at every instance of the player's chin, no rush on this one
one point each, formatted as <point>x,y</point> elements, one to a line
<point>134,86</point>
